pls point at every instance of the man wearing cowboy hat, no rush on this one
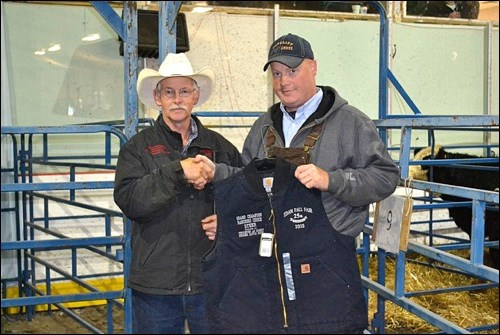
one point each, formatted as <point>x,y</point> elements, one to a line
<point>160,185</point>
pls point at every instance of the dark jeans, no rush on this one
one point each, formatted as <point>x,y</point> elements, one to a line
<point>167,314</point>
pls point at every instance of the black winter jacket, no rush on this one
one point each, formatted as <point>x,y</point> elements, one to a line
<point>167,239</point>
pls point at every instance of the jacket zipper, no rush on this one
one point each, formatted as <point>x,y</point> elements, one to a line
<point>189,288</point>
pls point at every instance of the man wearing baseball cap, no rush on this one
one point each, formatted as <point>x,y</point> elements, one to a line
<point>335,150</point>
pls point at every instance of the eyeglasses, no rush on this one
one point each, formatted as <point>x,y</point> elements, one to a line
<point>168,93</point>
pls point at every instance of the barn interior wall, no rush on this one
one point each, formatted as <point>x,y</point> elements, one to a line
<point>442,67</point>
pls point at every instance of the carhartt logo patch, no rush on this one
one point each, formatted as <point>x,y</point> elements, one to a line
<point>268,184</point>
<point>159,149</point>
<point>305,268</point>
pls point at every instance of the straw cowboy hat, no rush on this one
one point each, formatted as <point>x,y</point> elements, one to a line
<point>174,65</point>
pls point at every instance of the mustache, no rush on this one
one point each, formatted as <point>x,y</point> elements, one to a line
<point>174,107</point>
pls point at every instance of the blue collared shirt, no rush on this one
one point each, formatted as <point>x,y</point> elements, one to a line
<point>292,126</point>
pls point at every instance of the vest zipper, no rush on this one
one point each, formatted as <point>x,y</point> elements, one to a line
<point>278,265</point>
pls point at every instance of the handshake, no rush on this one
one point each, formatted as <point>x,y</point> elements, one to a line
<point>198,171</point>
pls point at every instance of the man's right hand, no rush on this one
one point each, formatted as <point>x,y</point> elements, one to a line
<point>209,225</point>
<point>198,171</point>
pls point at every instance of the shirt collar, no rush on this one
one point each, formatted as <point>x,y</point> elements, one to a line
<point>192,135</point>
<point>306,110</point>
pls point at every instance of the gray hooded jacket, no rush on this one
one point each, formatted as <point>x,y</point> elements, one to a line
<point>349,148</point>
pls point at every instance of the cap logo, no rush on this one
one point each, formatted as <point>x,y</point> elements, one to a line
<point>284,46</point>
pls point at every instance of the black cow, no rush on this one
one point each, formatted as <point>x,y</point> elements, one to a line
<point>466,177</point>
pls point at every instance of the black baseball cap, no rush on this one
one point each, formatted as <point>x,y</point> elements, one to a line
<point>289,50</point>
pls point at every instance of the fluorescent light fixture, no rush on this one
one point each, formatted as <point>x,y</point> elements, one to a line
<point>200,7</point>
<point>54,47</point>
<point>91,37</point>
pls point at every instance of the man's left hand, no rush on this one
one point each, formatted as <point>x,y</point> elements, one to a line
<point>312,176</point>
